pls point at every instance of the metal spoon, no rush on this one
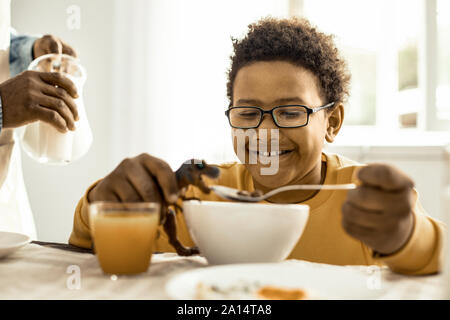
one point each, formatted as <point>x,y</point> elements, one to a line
<point>234,194</point>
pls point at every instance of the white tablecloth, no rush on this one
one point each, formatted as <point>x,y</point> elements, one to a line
<point>37,272</point>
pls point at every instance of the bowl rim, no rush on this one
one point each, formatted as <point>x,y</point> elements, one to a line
<point>256,204</point>
<point>21,239</point>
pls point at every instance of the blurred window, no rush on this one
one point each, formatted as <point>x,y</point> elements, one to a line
<point>443,70</point>
<point>381,42</point>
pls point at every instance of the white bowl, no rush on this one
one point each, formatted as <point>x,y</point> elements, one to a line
<point>235,232</point>
<point>12,241</point>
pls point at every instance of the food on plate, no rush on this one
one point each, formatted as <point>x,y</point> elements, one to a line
<point>248,291</point>
<point>278,293</point>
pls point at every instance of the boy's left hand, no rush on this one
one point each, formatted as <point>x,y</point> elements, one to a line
<point>379,211</point>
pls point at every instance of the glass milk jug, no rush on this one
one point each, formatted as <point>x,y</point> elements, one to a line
<point>43,142</point>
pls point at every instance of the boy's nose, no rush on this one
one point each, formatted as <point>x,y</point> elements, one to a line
<point>264,131</point>
<point>267,122</point>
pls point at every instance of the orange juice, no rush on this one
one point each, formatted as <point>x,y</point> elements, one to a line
<point>123,240</point>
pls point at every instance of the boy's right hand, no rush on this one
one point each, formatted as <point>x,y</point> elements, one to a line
<point>45,96</point>
<point>142,178</point>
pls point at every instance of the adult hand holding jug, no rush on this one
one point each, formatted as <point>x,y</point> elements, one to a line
<point>43,141</point>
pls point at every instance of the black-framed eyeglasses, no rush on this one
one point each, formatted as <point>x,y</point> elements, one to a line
<point>287,116</point>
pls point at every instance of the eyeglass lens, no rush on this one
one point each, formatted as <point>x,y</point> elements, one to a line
<point>249,117</point>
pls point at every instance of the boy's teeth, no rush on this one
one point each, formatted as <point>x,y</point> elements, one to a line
<point>271,154</point>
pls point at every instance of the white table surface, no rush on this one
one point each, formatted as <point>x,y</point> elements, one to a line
<point>38,272</point>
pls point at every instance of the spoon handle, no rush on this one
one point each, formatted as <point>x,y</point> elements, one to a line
<point>347,186</point>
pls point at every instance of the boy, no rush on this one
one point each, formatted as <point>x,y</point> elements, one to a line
<point>287,84</point>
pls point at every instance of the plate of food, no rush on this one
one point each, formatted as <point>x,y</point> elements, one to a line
<point>12,241</point>
<point>271,281</point>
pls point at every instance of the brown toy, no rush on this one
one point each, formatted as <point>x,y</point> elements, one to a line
<point>190,173</point>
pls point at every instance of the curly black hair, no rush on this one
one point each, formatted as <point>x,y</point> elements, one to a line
<point>296,41</point>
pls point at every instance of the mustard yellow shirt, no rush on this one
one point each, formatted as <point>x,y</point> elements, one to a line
<point>324,240</point>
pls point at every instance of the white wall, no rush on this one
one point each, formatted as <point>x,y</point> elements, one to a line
<point>173,79</point>
<point>54,191</point>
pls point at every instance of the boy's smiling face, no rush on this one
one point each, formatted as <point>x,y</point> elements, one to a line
<point>273,83</point>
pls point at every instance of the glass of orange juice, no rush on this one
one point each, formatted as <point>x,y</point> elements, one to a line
<point>123,235</point>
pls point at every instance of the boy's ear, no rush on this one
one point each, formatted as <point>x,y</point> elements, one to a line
<point>335,120</point>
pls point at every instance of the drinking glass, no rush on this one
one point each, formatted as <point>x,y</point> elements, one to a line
<point>123,235</point>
